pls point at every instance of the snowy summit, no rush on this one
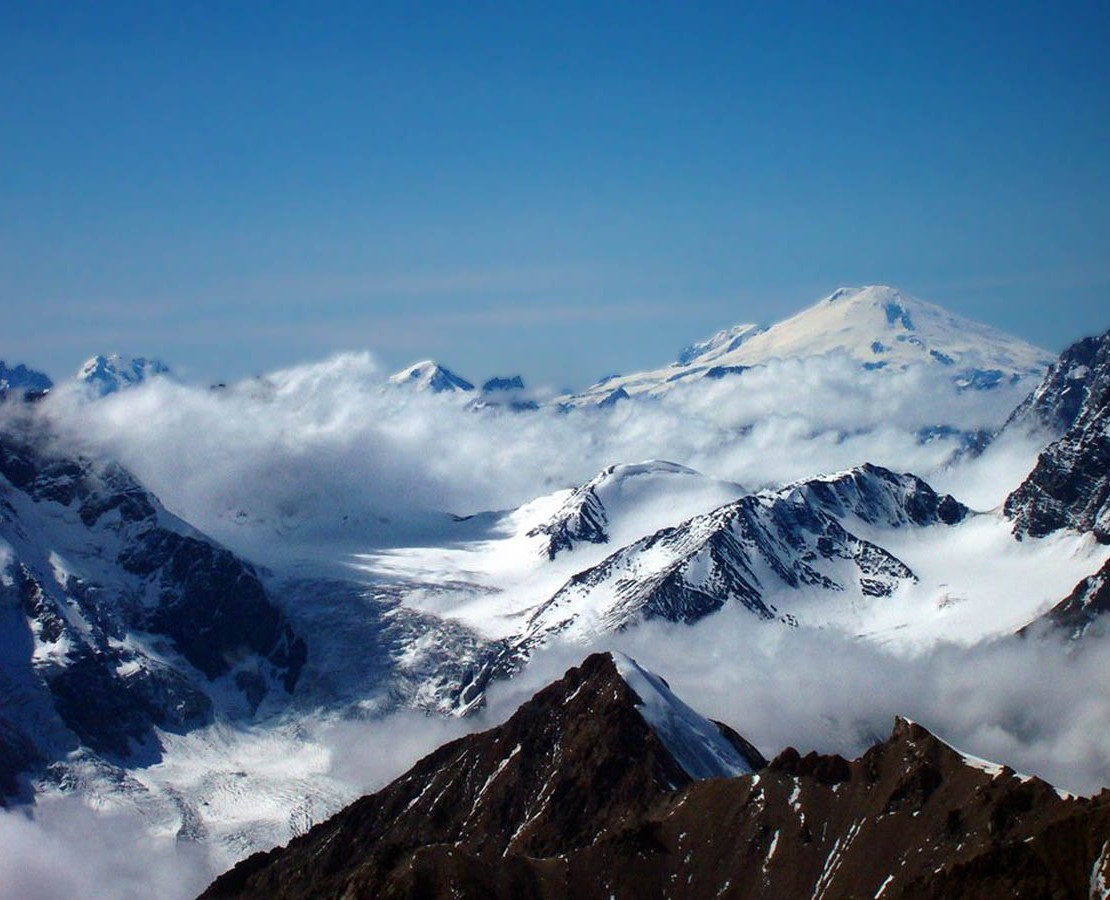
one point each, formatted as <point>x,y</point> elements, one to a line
<point>880,327</point>
<point>108,374</point>
<point>430,376</point>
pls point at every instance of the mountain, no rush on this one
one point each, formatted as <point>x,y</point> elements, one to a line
<point>21,381</point>
<point>606,741</point>
<point>791,539</point>
<point>505,392</point>
<point>117,619</point>
<point>1070,485</point>
<point>628,495</point>
<point>104,375</point>
<point>497,383</point>
<point>878,327</point>
<point>430,376</point>
<point>1081,376</point>
<point>582,793</point>
<point>1083,607</point>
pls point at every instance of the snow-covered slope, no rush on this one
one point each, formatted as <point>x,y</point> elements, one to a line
<point>696,743</point>
<point>625,500</point>
<point>430,376</point>
<point>726,341</point>
<point>103,375</point>
<point>879,327</point>
<point>498,565</point>
<point>760,549</point>
<point>118,619</point>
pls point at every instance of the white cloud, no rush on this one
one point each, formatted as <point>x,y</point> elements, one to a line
<point>68,850</point>
<point>1030,703</point>
<point>326,454</point>
<point>324,451</point>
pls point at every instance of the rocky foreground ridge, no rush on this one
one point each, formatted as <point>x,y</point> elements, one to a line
<point>581,794</point>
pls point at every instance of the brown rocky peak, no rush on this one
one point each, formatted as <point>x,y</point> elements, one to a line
<point>571,764</point>
<point>581,794</point>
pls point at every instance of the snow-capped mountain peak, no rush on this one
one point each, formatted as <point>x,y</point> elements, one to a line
<point>877,326</point>
<point>625,501</point>
<point>697,744</point>
<point>107,374</point>
<point>428,375</point>
<point>882,326</point>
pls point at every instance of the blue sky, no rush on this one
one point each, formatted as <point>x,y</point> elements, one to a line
<point>559,189</point>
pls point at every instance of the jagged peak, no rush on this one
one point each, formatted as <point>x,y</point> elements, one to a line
<point>500,383</point>
<point>876,494</point>
<point>430,376</point>
<point>108,374</point>
<point>21,378</point>
<point>700,746</point>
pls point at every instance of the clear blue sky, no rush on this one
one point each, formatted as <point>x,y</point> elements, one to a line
<point>559,189</point>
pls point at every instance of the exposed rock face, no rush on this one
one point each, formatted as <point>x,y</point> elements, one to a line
<point>114,614</point>
<point>798,536</point>
<point>581,518</point>
<point>21,382</point>
<point>567,767</point>
<point>1082,608</point>
<point>1070,485</point>
<point>575,797</point>
<point>1080,376</point>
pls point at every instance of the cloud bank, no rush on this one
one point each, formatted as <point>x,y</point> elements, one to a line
<point>326,452</point>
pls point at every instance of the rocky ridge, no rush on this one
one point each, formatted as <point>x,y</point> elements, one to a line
<point>1070,485</point>
<point>799,536</point>
<point>575,796</point>
<point>118,617</point>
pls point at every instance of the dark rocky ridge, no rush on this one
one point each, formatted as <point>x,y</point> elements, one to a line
<point>569,765</point>
<point>21,382</point>
<point>1082,609</point>
<point>1077,378</point>
<point>114,614</point>
<point>909,818</point>
<point>1070,485</point>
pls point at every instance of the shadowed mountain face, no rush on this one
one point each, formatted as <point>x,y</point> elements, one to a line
<point>577,795</point>
<point>1070,485</point>
<point>1082,609</point>
<point>115,616</point>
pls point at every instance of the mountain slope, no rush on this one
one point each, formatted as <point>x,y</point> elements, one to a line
<point>117,618</point>
<point>1070,485</point>
<point>430,376</point>
<point>103,375</point>
<point>1079,378</point>
<point>575,797</point>
<point>878,327</point>
<point>794,538</point>
<point>20,381</point>
<point>570,764</point>
<point>603,509</point>
<point>1083,607</point>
